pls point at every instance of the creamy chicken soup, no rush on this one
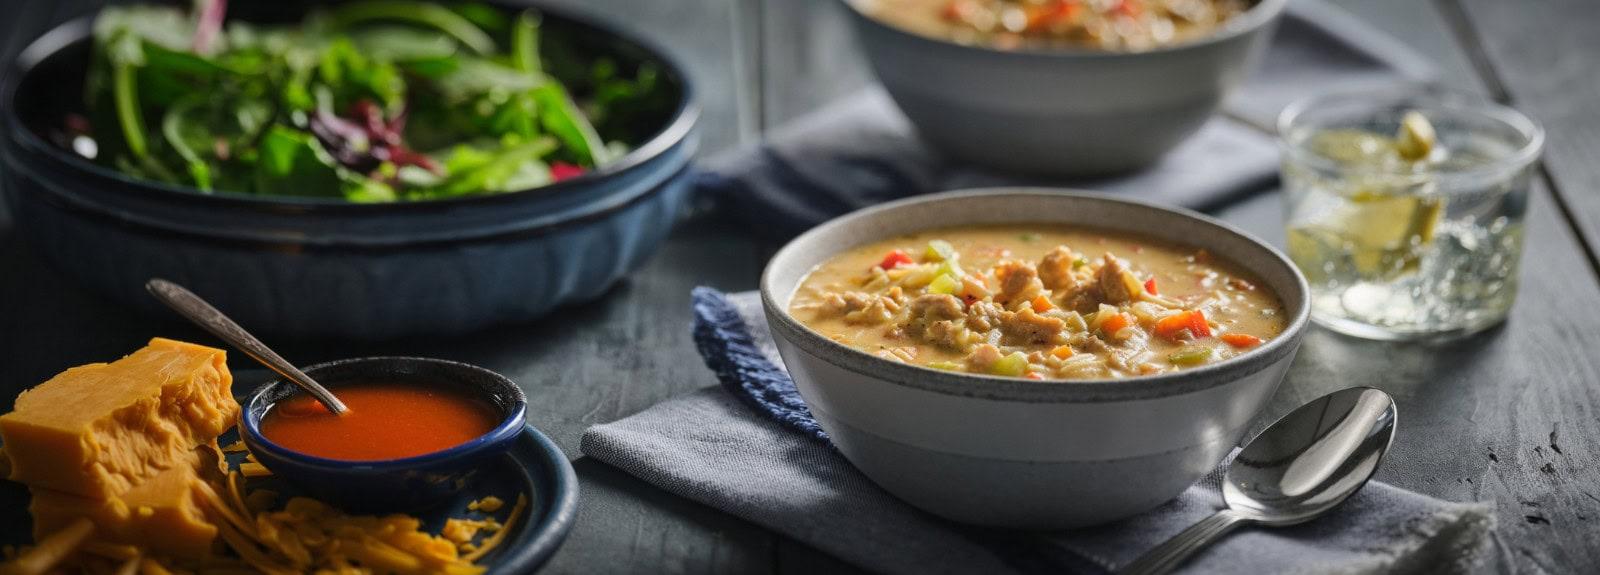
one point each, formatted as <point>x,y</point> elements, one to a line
<point>1038,301</point>
<point>1118,25</point>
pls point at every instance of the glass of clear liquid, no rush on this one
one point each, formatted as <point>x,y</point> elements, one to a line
<point>1405,210</point>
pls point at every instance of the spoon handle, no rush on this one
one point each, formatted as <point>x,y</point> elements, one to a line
<point>202,314</point>
<point>1168,556</point>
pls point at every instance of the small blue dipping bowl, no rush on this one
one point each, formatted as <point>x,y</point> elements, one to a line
<point>405,484</point>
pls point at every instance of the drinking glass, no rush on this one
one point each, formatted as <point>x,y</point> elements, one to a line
<point>1396,249</point>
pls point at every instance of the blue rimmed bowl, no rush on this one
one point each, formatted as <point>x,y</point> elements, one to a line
<point>325,268</point>
<point>404,484</point>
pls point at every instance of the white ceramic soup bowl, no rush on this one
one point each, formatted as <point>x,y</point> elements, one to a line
<point>1062,111</point>
<point>1022,453</point>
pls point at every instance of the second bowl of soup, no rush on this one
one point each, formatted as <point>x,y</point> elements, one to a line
<point>1070,90</point>
<point>1033,358</point>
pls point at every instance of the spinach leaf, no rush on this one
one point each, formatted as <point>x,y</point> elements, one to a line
<point>164,26</point>
<point>561,117</point>
<point>473,77</point>
<point>187,134</point>
<point>293,163</point>
<point>426,14</point>
<point>205,134</point>
<point>403,45</point>
<point>484,16</point>
<point>367,191</point>
<point>345,103</point>
<point>525,43</point>
<point>126,53</point>
<point>352,75</point>
<point>472,169</point>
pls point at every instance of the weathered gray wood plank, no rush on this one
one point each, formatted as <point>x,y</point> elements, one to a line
<point>1505,391</point>
<point>1478,418</point>
<point>627,526</point>
<point>1545,54</point>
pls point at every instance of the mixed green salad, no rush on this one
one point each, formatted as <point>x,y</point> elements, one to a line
<point>371,101</point>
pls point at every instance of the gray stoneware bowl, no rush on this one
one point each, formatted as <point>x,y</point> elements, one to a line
<point>1062,112</point>
<point>326,268</point>
<point>1020,453</point>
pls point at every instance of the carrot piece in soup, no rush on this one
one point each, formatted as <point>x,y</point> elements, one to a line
<point>1150,286</point>
<point>1042,304</point>
<point>1198,325</point>
<point>1114,324</point>
<point>1172,326</point>
<point>896,259</point>
<point>1240,340</point>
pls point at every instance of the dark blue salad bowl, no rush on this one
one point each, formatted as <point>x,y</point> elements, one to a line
<point>405,484</point>
<point>325,268</point>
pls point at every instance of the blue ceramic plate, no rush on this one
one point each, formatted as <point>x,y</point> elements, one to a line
<point>534,466</point>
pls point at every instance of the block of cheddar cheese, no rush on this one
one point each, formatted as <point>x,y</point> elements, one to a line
<point>98,430</point>
<point>162,514</point>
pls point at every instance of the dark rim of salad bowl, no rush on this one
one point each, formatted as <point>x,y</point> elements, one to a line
<point>675,131</point>
<point>1256,16</point>
<point>595,212</point>
<point>1049,390</point>
<point>503,433</point>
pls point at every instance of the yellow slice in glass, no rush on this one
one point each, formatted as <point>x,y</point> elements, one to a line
<point>1415,138</point>
<point>1382,235</point>
<point>1354,147</point>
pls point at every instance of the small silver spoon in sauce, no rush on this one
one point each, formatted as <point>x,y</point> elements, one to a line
<point>1298,469</point>
<point>196,310</point>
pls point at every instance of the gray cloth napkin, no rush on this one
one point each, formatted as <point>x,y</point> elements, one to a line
<point>712,448</point>
<point>862,151</point>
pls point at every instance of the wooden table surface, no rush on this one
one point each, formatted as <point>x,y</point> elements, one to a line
<point>1511,416</point>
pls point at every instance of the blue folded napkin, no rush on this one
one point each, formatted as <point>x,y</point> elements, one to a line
<point>750,448</point>
<point>862,151</point>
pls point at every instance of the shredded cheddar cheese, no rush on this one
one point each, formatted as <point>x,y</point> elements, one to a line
<point>463,531</point>
<point>310,536</point>
<point>499,534</point>
<point>305,536</point>
<point>260,500</point>
<point>112,551</point>
<point>152,567</point>
<point>51,550</point>
<point>253,469</point>
<point>488,504</point>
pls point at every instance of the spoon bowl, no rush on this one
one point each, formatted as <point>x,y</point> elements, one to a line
<point>1301,467</point>
<point>1312,459</point>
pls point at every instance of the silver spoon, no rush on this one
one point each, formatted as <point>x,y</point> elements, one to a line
<point>202,314</point>
<point>1298,469</point>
